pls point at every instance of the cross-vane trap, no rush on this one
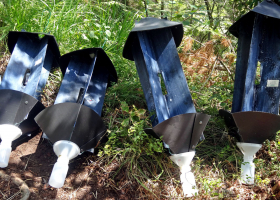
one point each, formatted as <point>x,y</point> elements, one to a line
<point>74,123</point>
<point>255,105</point>
<point>152,45</point>
<point>24,79</point>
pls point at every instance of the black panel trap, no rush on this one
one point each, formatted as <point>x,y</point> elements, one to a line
<point>257,75</point>
<point>152,45</point>
<point>76,114</point>
<point>25,78</point>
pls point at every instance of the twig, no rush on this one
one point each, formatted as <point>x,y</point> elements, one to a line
<point>3,194</point>
<point>232,49</point>
<point>213,68</point>
<point>191,91</point>
<point>95,196</point>
<point>22,185</point>
<point>230,74</point>
<point>27,162</point>
<point>197,41</point>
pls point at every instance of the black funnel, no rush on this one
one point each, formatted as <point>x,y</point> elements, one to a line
<point>256,127</point>
<point>73,122</point>
<point>181,132</point>
<point>20,109</point>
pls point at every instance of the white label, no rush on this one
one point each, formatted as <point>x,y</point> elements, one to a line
<point>38,61</point>
<point>272,83</point>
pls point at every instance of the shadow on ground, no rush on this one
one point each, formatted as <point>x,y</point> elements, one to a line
<point>88,178</point>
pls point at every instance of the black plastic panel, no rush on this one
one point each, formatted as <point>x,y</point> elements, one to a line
<point>74,122</point>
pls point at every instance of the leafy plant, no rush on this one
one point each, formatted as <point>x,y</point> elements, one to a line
<point>129,137</point>
<point>128,142</point>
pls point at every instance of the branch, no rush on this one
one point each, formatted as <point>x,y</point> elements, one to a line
<point>213,68</point>
<point>227,69</point>
<point>25,192</point>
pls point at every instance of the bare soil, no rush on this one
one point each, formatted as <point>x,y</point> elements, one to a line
<point>88,177</point>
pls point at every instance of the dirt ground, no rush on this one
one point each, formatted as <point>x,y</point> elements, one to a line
<point>88,177</point>
<point>33,160</point>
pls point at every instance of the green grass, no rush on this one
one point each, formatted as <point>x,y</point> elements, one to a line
<point>75,25</point>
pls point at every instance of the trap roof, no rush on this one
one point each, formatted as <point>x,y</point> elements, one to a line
<point>102,61</point>
<point>151,23</point>
<point>52,44</point>
<point>267,8</point>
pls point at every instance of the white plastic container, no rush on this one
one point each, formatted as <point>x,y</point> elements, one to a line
<point>184,160</point>
<point>65,151</point>
<point>248,167</point>
<point>8,133</point>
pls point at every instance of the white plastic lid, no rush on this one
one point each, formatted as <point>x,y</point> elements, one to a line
<point>248,149</point>
<point>66,148</point>
<point>183,160</point>
<point>9,132</point>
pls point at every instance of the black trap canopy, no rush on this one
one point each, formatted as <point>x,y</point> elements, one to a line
<point>152,45</point>
<point>256,87</point>
<point>76,114</point>
<point>25,78</point>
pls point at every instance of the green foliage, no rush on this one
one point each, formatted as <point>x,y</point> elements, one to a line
<point>211,99</point>
<point>128,143</point>
<point>243,7</point>
<point>75,24</point>
<point>128,90</point>
<point>268,163</point>
<point>129,137</point>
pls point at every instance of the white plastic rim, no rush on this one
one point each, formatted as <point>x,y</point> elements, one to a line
<point>248,148</point>
<point>65,151</point>
<point>248,166</point>
<point>183,160</point>
<point>66,148</point>
<point>8,133</point>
